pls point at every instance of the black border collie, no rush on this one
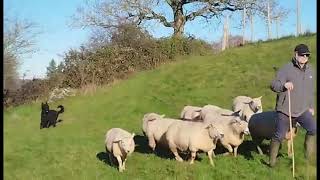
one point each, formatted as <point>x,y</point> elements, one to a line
<point>49,117</point>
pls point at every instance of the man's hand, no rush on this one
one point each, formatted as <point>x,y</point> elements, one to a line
<point>288,85</point>
<point>311,111</point>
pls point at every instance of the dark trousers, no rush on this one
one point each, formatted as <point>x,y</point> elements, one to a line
<point>282,124</point>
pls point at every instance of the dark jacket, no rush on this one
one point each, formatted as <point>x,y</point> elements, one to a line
<point>302,95</point>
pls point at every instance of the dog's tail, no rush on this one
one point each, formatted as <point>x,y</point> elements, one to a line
<point>61,109</point>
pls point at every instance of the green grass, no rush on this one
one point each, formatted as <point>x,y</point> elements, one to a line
<point>75,148</point>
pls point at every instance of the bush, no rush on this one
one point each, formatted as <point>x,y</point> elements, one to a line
<point>28,92</point>
<point>131,49</point>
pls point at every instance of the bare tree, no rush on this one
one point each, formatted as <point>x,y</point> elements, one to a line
<point>18,40</point>
<point>249,14</point>
<point>251,26</point>
<point>278,15</point>
<point>270,10</point>
<point>225,41</point>
<point>269,20</point>
<point>244,15</point>
<point>108,14</point>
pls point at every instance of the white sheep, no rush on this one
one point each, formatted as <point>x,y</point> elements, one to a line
<point>147,117</point>
<point>120,144</point>
<point>191,113</point>
<point>209,109</point>
<point>212,109</point>
<point>263,125</point>
<point>232,127</point>
<point>193,136</point>
<point>155,128</point>
<point>247,106</point>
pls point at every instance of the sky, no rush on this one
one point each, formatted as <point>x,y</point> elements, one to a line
<point>57,37</point>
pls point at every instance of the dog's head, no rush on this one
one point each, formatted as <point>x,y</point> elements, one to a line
<point>45,107</point>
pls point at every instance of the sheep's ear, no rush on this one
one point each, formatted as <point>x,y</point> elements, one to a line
<point>197,116</point>
<point>251,103</point>
<point>132,135</point>
<point>163,115</point>
<point>237,113</point>
<point>260,97</point>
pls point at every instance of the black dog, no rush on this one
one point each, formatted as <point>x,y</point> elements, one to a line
<point>49,117</point>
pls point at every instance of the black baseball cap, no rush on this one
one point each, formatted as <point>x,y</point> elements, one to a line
<point>302,49</point>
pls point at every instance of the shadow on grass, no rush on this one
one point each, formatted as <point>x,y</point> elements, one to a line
<point>142,144</point>
<point>246,149</point>
<point>104,157</point>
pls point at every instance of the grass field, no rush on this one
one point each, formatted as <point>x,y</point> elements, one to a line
<point>75,148</point>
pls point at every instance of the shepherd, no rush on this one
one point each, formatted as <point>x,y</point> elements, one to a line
<point>296,77</point>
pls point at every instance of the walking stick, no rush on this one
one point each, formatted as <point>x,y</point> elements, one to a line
<point>291,134</point>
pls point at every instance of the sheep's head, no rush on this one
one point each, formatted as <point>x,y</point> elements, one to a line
<point>240,126</point>
<point>213,132</point>
<point>256,105</point>
<point>149,117</point>
<point>127,144</point>
<point>152,116</point>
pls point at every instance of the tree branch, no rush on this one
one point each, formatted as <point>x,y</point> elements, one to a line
<point>211,9</point>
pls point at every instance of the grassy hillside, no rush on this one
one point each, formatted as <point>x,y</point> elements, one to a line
<point>75,148</point>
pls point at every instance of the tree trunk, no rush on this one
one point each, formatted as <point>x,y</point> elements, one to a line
<point>251,26</point>
<point>179,21</point>
<point>224,43</point>
<point>227,32</point>
<point>244,25</point>
<point>269,20</point>
<point>298,18</point>
<point>277,24</point>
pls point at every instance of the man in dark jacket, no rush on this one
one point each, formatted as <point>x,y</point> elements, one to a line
<point>296,77</point>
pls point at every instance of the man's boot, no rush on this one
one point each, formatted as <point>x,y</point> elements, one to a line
<point>309,146</point>
<point>274,148</point>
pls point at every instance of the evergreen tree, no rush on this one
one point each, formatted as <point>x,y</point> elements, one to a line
<point>51,69</point>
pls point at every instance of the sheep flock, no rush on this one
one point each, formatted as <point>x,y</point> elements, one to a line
<point>199,129</point>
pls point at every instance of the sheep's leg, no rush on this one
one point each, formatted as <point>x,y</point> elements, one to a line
<point>120,163</point>
<point>213,154</point>
<point>230,149</point>
<point>259,150</point>
<point>176,155</point>
<point>193,156</point>
<point>235,151</point>
<point>257,142</point>
<point>124,164</point>
<point>152,142</point>
<point>210,153</point>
